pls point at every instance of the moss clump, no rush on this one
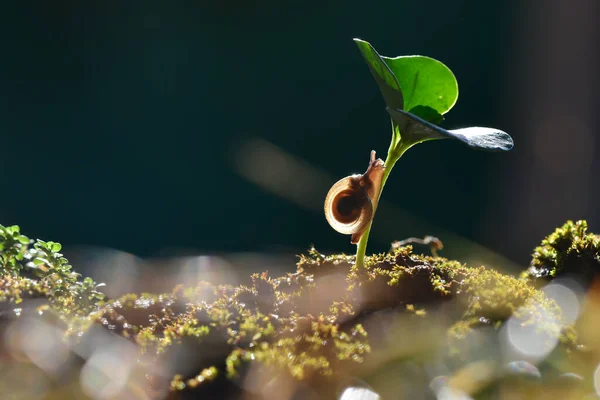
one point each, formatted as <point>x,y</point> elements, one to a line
<point>569,250</point>
<point>13,289</point>
<point>326,322</point>
<point>312,324</point>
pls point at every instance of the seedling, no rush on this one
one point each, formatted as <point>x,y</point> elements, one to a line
<point>418,91</point>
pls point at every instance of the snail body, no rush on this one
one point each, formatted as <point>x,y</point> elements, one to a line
<point>351,202</point>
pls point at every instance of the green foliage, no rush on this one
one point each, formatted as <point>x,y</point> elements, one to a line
<point>425,83</point>
<point>417,91</point>
<point>417,130</point>
<point>420,84</point>
<point>49,264</point>
<point>387,81</point>
<point>24,259</point>
<point>13,249</point>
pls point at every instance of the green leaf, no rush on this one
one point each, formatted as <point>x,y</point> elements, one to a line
<point>40,261</point>
<point>55,247</point>
<point>422,85</point>
<point>425,82</point>
<point>388,84</point>
<point>428,114</point>
<point>24,239</point>
<point>418,130</point>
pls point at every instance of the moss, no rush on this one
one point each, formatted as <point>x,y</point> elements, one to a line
<point>13,289</point>
<point>569,250</point>
<point>320,323</point>
<point>205,376</point>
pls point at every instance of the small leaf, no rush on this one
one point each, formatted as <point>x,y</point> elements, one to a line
<point>484,138</point>
<point>388,84</point>
<point>24,239</point>
<point>55,247</point>
<point>428,114</point>
<point>41,263</point>
<point>418,130</point>
<point>425,82</point>
<point>423,85</point>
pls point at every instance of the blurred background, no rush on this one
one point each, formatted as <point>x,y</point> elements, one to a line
<point>215,128</point>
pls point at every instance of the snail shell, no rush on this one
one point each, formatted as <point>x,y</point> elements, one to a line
<point>351,201</point>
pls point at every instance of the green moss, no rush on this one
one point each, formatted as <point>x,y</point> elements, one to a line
<point>205,376</point>
<point>316,324</point>
<point>13,289</point>
<point>496,296</point>
<point>281,322</point>
<point>571,250</point>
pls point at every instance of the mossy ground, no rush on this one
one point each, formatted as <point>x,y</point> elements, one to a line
<point>309,332</point>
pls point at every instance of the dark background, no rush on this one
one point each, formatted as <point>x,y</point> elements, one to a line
<point>123,123</point>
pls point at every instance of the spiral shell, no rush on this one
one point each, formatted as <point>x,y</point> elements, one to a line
<point>348,208</point>
<point>351,202</point>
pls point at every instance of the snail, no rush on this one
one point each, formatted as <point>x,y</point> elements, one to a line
<point>351,201</point>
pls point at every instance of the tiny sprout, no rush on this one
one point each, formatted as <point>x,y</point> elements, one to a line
<point>432,91</point>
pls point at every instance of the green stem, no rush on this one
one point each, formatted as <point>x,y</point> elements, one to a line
<point>394,153</point>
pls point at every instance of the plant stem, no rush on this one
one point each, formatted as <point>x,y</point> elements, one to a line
<point>394,154</point>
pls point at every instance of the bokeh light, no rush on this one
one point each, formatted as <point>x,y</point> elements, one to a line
<point>40,341</point>
<point>568,294</point>
<point>359,393</point>
<point>526,339</point>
